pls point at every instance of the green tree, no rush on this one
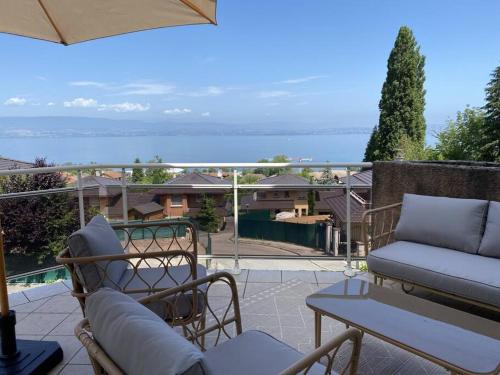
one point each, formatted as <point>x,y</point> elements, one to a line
<point>327,177</point>
<point>311,199</point>
<point>156,175</point>
<point>38,225</point>
<point>403,100</point>
<point>137,173</point>
<point>248,179</point>
<point>207,216</point>
<point>306,172</point>
<point>264,171</point>
<point>490,150</point>
<point>462,138</point>
<point>371,152</point>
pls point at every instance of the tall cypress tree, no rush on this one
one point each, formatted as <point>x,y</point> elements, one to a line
<point>491,133</point>
<point>403,100</point>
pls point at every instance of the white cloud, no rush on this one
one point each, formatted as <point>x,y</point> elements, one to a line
<point>274,94</point>
<point>301,80</point>
<point>177,111</point>
<point>15,101</point>
<point>146,89</point>
<point>125,107</point>
<point>205,114</point>
<point>81,103</point>
<point>50,104</point>
<point>41,78</point>
<point>88,84</point>
<point>207,91</point>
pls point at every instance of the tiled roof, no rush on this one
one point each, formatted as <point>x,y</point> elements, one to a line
<point>197,179</point>
<point>148,208</point>
<point>6,163</point>
<point>360,178</point>
<point>284,179</point>
<point>99,180</point>
<point>338,205</point>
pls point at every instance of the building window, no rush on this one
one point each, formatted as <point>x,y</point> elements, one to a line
<point>287,194</point>
<point>261,195</point>
<point>176,200</point>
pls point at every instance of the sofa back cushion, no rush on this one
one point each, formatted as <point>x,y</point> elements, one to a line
<point>490,244</point>
<point>453,223</point>
<point>137,340</point>
<point>97,238</point>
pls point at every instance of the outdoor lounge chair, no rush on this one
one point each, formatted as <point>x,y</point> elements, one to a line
<point>123,337</point>
<point>150,258</point>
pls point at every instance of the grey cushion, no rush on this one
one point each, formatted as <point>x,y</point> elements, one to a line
<point>97,238</point>
<point>445,222</point>
<point>466,275</point>
<point>254,353</point>
<point>159,278</point>
<point>137,340</point>
<point>490,244</point>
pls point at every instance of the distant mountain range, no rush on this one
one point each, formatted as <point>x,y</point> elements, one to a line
<point>102,127</point>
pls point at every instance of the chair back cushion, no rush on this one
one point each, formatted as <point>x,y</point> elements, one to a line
<point>97,238</point>
<point>453,223</point>
<point>137,340</point>
<point>490,244</point>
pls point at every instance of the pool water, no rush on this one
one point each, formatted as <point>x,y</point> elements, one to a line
<point>44,277</point>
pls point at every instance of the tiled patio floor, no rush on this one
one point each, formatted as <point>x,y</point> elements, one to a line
<point>272,301</point>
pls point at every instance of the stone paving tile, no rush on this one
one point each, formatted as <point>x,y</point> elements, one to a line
<point>30,306</point>
<point>39,324</point>
<point>69,345</point>
<point>67,326</point>
<point>306,276</point>
<point>45,291</point>
<point>80,358</point>
<point>17,299</point>
<point>264,276</point>
<point>59,304</point>
<point>327,277</point>
<point>254,288</point>
<point>77,370</point>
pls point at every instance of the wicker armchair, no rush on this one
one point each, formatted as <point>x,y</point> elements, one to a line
<point>146,258</point>
<point>378,226</point>
<point>226,349</point>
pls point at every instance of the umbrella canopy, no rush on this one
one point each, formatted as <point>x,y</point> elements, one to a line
<point>73,21</point>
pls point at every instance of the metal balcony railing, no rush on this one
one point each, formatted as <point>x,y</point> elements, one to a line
<point>235,187</point>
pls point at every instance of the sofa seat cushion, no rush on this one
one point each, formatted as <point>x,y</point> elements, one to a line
<point>158,278</point>
<point>95,239</point>
<point>440,221</point>
<point>490,244</point>
<point>254,353</point>
<point>138,341</point>
<point>466,275</point>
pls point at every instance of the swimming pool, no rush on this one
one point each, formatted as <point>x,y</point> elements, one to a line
<point>42,277</point>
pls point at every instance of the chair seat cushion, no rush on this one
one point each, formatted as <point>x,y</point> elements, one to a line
<point>490,244</point>
<point>159,278</point>
<point>440,221</point>
<point>138,341</point>
<point>97,238</point>
<point>254,353</point>
<point>465,275</point>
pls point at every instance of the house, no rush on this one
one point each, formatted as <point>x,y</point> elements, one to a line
<point>282,198</point>
<point>182,195</point>
<point>6,163</point>
<point>146,211</point>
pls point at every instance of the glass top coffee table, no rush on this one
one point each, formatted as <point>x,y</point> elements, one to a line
<point>461,342</point>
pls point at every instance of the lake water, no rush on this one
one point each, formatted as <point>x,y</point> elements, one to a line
<point>334,148</point>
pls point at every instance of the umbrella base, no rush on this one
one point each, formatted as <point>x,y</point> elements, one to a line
<point>33,357</point>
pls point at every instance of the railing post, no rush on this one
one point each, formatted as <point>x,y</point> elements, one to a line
<point>81,207</point>
<point>348,269</point>
<point>124,197</point>
<point>236,268</point>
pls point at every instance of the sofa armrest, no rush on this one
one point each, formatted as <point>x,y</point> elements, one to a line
<point>378,225</point>
<point>135,262</point>
<point>329,351</point>
<point>211,315</point>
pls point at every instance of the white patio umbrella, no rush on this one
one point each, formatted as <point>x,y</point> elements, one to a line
<point>68,22</point>
<point>74,21</point>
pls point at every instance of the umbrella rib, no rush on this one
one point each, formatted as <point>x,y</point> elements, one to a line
<point>189,4</point>
<point>63,41</point>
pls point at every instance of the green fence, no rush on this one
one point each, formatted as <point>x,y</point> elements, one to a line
<point>301,234</point>
<point>153,230</point>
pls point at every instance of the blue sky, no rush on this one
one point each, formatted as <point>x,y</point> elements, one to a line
<point>290,62</point>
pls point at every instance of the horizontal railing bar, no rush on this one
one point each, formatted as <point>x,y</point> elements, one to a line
<point>279,257</point>
<point>33,273</point>
<point>63,168</point>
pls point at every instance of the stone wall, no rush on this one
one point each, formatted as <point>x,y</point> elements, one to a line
<point>459,179</point>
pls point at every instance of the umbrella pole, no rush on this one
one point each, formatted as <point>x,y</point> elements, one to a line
<point>24,357</point>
